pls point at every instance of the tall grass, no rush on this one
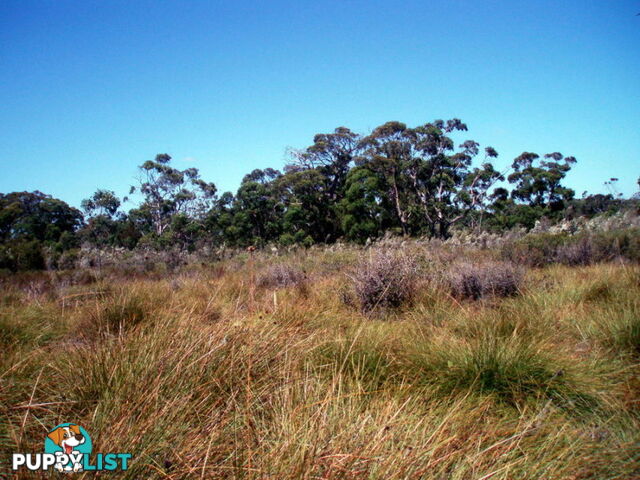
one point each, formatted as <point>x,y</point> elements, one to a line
<point>183,374</point>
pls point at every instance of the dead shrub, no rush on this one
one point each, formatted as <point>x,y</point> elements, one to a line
<point>346,296</point>
<point>577,253</point>
<point>480,280</point>
<point>84,277</point>
<point>384,280</point>
<point>279,276</point>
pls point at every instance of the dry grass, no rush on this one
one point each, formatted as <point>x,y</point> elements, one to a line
<point>279,276</point>
<point>199,380</point>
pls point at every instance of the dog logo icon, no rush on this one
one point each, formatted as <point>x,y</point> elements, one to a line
<point>69,443</point>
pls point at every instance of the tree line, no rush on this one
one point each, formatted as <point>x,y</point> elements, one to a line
<point>396,179</point>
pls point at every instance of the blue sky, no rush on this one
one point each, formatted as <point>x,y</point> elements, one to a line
<point>91,89</point>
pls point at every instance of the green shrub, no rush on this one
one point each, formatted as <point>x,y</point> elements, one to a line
<point>541,249</point>
<point>22,255</point>
<point>534,250</point>
<point>618,243</point>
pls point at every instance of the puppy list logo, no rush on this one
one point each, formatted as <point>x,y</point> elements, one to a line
<point>67,448</point>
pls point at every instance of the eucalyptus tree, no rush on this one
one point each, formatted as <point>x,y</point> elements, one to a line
<point>388,151</point>
<point>537,190</point>
<point>31,222</point>
<point>365,211</point>
<point>101,203</point>
<point>317,192</point>
<point>102,225</point>
<point>308,214</point>
<point>537,182</point>
<point>168,191</point>
<point>36,216</point>
<point>332,154</point>
<point>445,183</point>
<point>430,184</point>
<point>256,212</point>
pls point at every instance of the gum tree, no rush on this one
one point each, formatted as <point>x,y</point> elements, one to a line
<point>168,192</point>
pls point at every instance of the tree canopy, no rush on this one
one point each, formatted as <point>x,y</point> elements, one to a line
<point>424,180</point>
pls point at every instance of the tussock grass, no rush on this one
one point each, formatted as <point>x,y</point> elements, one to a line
<point>122,310</point>
<point>201,377</point>
<point>510,369</point>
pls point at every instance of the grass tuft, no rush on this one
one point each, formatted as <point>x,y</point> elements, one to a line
<point>510,370</point>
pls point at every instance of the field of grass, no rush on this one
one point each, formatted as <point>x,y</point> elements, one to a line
<point>231,371</point>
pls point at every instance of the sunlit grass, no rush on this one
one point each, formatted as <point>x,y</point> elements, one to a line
<point>204,375</point>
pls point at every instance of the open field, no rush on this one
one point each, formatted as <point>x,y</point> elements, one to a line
<point>245,370</point>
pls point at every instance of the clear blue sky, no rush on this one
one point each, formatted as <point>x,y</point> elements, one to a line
<point>91,89</point>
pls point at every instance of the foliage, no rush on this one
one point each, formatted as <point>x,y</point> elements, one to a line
<point>541,249</point>
<point>31,222</point>
<point>36,216</point>
<point>22,255</point>
<point>168,191</point>
<point>534,250</point>
<point>537,190</point>
<point>424,181</point>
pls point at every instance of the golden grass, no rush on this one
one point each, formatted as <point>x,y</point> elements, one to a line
<point>199,375</point>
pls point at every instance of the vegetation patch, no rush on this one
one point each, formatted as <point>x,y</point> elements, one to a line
<point>474,281</point>
<point>512,371</point>
<point>384,280</point>
<point>364,361</point>
<point>117,314</point>
<point>542,384</point>
<point>279,276</point>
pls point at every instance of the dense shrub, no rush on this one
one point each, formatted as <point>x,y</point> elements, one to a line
<point>473,281</point>
<point>69,259</point>
<point>22,255</point>
<point>578,252</point>
<point>534,250</point>
<point>541,249</point>
<point>279,276</point>
<point>384,280</point>
<point>617,243</point>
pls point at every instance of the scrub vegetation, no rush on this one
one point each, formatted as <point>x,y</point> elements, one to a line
<point>388,306</point>
<point>427,181</point>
